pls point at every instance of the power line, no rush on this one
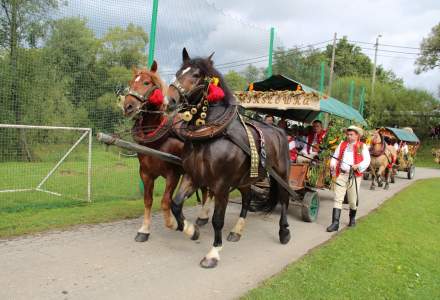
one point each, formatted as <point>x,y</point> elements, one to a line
<point>261,58</point>
<point>386,45</point>
<point>390,51</point>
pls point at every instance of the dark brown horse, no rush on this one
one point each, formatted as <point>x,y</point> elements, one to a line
<point>153,128</point>
<point>219,163</point>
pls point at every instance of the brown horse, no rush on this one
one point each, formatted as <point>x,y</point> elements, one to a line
<point>383,157</point>
<point>219,163</point>
<point>153,128</point>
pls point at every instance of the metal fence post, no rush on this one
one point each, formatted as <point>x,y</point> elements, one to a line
<point>269,66</point>
<point>153,33</point>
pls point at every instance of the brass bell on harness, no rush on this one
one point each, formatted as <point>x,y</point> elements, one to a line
<point>193,111</point>
<point>204,108</point>
<point>205,102</point>
<point>200,122</point>
<point>186,116</point>
<point>203,115</point>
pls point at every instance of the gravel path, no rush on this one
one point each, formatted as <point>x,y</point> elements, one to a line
<point>103,261</point>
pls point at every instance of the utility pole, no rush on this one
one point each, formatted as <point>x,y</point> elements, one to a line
<point>332,66</point>
<point>330,79</point>
<point>374,66</point>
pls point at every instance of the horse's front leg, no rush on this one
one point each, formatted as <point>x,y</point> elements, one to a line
<point>387,178</point>
<point>218,220</point>
<point>237,231</point>
<point>172,180</point>
<point>186,189</point>
<point>373,178</point>
<point>144,232</point>
<point>380,174</point>
<point>203,216</point>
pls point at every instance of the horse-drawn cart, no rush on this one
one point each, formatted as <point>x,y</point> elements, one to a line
<point>407,144</point>
<point>283,97</point>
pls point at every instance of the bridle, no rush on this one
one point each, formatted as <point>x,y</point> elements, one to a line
<point>202,85</point>
<point>143,98</point>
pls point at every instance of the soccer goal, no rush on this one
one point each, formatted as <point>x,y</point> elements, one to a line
<point>52,160</point>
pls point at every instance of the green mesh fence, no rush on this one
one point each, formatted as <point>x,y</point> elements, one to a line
<point>60,62</point>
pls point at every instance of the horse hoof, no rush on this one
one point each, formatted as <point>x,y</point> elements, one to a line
<point>386,187</point>
<point>284,236</point>
<point>196,233</point>
<point>380,185</point>
<point>372,188</point>
<point>141,237</point>
<point>208,263</point>
<point>233,237</point>
<point>200,222</point>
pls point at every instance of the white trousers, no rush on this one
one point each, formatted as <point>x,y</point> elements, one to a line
<point>342,186</point>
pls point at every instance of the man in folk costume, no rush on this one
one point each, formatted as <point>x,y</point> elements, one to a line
<point>349,161</point>
<point>311,145</point>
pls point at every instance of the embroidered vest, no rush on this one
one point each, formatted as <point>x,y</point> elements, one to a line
<point>357,153</point>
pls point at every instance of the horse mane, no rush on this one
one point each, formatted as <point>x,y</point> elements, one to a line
<point>206,66</point>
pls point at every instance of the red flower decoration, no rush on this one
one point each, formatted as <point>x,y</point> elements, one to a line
<point>156,98</point>
<point>215,93</point>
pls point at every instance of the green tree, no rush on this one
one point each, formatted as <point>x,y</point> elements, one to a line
<point>349,59</point>
<point>72,49</point>
<point>430,56</point>
<point>125,46</point>
<point>235,81</point>
<point>21,21</point>
<point>252,73</point>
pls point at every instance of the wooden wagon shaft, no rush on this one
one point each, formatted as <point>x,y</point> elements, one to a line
<point>109,140</point>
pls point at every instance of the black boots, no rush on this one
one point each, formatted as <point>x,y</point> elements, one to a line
<point>352,222</point>
<point>334,226</point>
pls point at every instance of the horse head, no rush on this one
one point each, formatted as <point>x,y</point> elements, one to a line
<point>377,138</point>
<point>192,80</point>
<point>144,92</point>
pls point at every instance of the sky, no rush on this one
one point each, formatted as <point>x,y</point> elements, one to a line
<point>239,30</point>
<point>302,22</point>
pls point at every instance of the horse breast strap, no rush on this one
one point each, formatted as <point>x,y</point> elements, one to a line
<point>208,131</point>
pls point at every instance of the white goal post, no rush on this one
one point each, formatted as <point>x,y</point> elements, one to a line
<point>87,133</point>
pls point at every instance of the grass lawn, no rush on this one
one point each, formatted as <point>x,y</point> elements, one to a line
<point>392,254</point>
<point>115,192</point>
<point>424,156</point>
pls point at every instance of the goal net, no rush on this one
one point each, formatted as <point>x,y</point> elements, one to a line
<point>44,163</point>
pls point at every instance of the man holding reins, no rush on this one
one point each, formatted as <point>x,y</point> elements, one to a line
<point>349,161</point>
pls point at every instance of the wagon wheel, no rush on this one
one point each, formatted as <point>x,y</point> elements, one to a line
<point>366,175</point>
<point>411,172</point>
<point>310,206</point>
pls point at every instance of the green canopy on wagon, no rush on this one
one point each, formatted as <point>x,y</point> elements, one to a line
<point>329,105</point>
<point>404,135</point>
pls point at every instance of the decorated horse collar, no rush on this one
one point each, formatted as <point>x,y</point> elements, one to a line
<point>380,152</point>
<point>212,94</point>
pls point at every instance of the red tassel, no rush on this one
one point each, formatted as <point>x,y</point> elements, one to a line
<point>156,98</point>
<point>215,93</point>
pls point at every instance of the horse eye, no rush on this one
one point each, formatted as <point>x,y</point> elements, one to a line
<point>146,83</point>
